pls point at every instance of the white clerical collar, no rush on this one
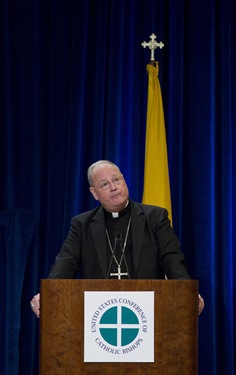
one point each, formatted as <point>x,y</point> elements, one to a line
<point>117,214</point>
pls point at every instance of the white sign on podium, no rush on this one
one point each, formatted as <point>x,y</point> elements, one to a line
<point>118,326</point>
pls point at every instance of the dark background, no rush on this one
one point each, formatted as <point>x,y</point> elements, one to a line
<point>74,90</point>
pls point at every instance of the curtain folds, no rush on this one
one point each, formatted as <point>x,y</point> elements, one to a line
<point>74,90</point>
<point>16,233</point>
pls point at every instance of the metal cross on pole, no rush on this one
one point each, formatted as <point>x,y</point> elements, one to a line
<point>152,45</point>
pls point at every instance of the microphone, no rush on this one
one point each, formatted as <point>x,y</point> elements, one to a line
<point>121,249</point>
<point>113,254</point>
<point>118,235</point>
<point>118,253</point>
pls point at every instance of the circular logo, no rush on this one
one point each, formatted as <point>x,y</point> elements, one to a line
<point>119,326</point>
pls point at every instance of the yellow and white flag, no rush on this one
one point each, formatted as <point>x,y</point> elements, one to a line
<point>156,173</point>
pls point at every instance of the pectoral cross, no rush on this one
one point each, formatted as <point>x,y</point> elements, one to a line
<point>119,273</point>
<point>152,45</point>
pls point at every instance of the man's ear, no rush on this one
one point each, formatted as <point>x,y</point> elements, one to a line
<point>92,190</point>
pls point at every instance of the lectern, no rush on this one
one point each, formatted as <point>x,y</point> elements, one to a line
<point>175,327</point>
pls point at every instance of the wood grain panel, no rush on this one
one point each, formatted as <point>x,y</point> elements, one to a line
<point>62,327</point>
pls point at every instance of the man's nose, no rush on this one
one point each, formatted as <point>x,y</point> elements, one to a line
<point>112,185</point>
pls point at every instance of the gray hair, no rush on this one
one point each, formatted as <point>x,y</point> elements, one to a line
<point>96,165</point>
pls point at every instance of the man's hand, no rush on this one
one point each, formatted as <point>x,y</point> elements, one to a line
<point>35,305</point>
<point>200,304</point>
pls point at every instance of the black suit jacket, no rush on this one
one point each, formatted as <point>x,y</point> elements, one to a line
<point>155,248</point>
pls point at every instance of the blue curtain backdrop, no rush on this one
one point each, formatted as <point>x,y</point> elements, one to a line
<point>74,90</point>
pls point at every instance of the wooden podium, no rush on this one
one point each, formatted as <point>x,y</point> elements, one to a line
<point>175,327</point>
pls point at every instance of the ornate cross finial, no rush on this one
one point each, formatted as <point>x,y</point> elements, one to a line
<point>152,44</point>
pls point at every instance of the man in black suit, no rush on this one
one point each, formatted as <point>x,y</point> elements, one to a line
<point>119,239</point>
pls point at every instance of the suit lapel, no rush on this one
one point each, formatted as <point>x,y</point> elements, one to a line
<point>99,237</point>
<point>137,230</point>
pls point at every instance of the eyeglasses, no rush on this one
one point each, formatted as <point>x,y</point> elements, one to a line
<point>106,184</point>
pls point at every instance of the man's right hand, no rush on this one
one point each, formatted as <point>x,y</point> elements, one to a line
<point>35,305</point>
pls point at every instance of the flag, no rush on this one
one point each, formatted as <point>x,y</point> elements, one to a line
<point>156,189</point>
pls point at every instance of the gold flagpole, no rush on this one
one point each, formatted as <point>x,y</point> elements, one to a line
<point>156,172</point>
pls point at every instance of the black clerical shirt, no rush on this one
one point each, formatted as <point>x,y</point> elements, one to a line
<point>117,225</point>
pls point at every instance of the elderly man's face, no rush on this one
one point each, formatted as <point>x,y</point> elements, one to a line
<point>109,187</point>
